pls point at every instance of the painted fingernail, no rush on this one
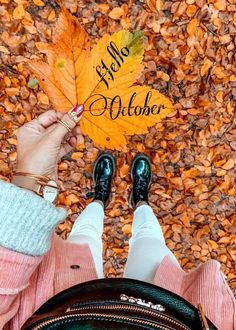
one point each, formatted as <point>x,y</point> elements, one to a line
<point>78,110</point>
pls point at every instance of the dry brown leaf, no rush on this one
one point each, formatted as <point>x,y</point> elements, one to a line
<point>4,50</point>
<point>207,64</point>
<point>229,164</point>
<point>39,3</point>
<point>213,244</point>
<point>116,13</point>
<point>19,12</point>
<point>127,229</point>
<point>77,155</point>
<point>220,4</point>
<point>192,26</point>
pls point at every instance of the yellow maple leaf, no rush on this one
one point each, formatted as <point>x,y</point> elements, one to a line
<point>102,79</point>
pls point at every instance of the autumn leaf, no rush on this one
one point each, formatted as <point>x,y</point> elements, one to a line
<point>60,76</point>
<point>102,79</point>
<point>192,26</point>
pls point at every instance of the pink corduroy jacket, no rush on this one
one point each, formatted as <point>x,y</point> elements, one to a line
<point>27,282</point>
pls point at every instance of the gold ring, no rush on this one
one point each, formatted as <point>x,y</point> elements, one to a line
<point>63,123</point>
<point>28,125</point>
<point>72,116</point>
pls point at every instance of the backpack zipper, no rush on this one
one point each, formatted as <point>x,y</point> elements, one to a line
<point>131,308</point>
<point>116,307</point>
<point>92,315</point>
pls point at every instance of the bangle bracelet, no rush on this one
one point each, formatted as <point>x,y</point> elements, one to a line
<point>42,177</point>
<point>39,184</point>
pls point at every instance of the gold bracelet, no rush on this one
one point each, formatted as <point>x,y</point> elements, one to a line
<point>36,176</point>
<point>39,184</point>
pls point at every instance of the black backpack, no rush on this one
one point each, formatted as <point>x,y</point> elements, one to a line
<point>117,303</point>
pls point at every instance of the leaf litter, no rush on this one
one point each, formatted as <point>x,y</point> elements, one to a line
<point>190,58</point>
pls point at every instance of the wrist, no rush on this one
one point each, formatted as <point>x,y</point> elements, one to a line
<point>41,185</point>
<point>23,182</point>
<point>28,168</point>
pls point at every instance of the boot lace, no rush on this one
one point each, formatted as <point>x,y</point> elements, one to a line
<point>140,185</point>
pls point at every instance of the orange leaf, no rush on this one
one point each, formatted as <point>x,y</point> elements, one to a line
<point>192,26</point>
<point>13,156</point>
<point>19,12</point>
<point>212,244</point>
<point>60,78</point>
<point>73,198</point>
<point>127,229</point>
<point>220,4</point>
<point>191,173</point>
<point>39,3</point>
<point>163,76</point>
<point>43,98</point>
<point>229,164</point>
<point>124,171</point>
<point>102,79</point>
<point>116,13</point>
<point>191,10</point>
<point>4,50</point>
<point>207,64</point>
<point>76,155</point>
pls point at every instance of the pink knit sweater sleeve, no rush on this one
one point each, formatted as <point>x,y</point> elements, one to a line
<point>27,224</point>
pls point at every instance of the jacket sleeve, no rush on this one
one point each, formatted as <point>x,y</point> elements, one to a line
<point>27,223</point>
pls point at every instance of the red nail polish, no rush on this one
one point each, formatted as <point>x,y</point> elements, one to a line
<point>78,110</point>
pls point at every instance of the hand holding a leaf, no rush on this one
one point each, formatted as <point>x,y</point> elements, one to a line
<point>43,141</point>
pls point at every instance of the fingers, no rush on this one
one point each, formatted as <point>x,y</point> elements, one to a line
<point>68,121</point>
<point>75,132</point>
<point>47,118</point>
<point>43,122</point>
<point>67,147</point>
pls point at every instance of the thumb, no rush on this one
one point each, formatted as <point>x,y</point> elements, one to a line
<point>67,122</point>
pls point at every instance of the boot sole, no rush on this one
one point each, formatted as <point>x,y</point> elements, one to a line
<point>131,171</point>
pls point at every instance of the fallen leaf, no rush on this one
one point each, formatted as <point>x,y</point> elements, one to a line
<point>192,26</point>
<point>73,198</point>
<point>19,12</point>
<point>159,5</point>
<point>76,155</point>
<point>229,164</point>
<point>12,141</point>
<point>207,64</point>
<point>220,4</point>
<point>103,7</point>
<point>4,50</point>
<point>191,10</point>
<point>213,244</point>
<point>163,76</point>
<point>127,229</point>
<point>51,15</point>
<point>116,13</point>
<point>124,171</point>
<point>39,3</point>
<point>132,108</point>
<point>191,173</point>
<point>43,98</point>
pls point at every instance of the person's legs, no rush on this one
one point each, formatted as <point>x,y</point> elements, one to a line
<point>88,229</point>
<point>147,246</point>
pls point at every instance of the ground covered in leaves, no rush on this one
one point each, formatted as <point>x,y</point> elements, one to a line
<point>189,57</point>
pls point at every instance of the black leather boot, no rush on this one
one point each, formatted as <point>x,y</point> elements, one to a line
<point>103,173</point>
<point>141,175</point>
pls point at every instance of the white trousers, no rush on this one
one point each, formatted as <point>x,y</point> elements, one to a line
<point>147,246</point>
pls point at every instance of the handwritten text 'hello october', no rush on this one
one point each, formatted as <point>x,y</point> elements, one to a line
<point>99,104</point>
